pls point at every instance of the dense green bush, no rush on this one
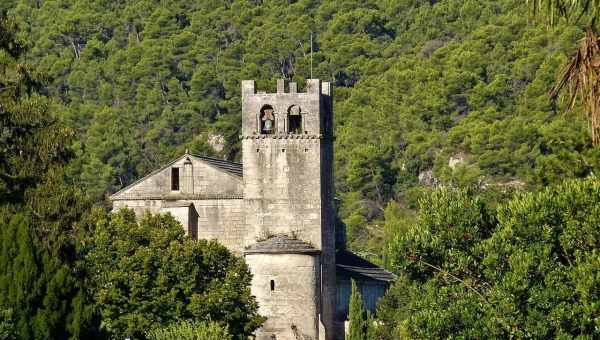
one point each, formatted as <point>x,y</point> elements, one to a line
<point>188,330</point>
<point>147,273</point>
<point>527,269</point>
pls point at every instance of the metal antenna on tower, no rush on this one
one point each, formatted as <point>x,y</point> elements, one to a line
<point>311,51</point>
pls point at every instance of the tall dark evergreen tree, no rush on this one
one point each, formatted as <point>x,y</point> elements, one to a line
<point>41,283</point>
<point>31,140</point>
<point>356,315</point>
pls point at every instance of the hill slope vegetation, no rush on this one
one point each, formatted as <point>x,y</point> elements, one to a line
<point>450,92</point>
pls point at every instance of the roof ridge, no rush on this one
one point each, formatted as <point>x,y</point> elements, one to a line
<point>232,168</point>
<point>215,159</point>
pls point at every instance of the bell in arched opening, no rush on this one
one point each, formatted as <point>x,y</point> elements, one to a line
<point>267,120</point>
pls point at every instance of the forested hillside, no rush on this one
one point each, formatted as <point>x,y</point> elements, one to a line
<point>428,93</point>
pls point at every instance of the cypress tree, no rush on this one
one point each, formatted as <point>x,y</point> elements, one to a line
<point>41,283</point>
<point>356,315</point>
<point>370,332</point>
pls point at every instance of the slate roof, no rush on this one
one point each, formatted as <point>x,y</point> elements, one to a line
<point>355,266</point>
<point>280,244</point>
<point>227,166</point>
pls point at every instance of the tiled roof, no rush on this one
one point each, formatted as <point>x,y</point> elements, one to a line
<point>279,244</point>
<point>354,265</point>
<point>228,166</point>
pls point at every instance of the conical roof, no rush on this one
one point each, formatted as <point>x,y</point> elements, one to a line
<point>281,244</point>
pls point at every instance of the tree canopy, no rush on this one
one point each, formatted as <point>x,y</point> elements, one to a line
<point>54,253</point>
<point>147,274</point>
<point>526,269</point>
<point>428,93</point>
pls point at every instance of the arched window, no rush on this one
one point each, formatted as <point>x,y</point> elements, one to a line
<point>272,285</point>
<point>267,120</point>
<point>294,120</point>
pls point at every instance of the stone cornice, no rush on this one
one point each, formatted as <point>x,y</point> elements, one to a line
<point>172,197</point>
<point>285,136</point>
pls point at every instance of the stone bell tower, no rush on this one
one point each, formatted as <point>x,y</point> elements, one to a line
<point>287,144</point>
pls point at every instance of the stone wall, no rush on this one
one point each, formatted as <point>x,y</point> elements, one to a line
<point>288,176</point>
<point>282,188</point>
<point>222,220</point>
<point>309,103</point>
<point>292,307</point>
<point>186,215</point>
<point>139,206</point>
<point>205,181</point>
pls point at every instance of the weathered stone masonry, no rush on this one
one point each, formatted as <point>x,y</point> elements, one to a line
<point>276,209</point>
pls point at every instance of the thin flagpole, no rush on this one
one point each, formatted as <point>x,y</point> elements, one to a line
<point>311,52</point>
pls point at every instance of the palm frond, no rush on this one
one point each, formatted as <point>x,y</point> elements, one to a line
<point>571,10</point>
<point>581,77</point>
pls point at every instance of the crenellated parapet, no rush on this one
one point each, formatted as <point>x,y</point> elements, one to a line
<point>287,113</point>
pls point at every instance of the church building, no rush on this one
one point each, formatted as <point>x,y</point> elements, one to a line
<point>276,209</point>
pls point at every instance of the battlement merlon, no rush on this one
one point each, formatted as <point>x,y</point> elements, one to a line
<point>289,112</point>
<point>313,86</point>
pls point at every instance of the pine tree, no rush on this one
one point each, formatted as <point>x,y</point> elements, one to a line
<point>31,140</point>
<point>356,315</point>
<point>41,281</point>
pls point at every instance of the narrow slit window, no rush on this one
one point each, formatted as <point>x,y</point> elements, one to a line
<point>175,179</point>
<point>272,285</point>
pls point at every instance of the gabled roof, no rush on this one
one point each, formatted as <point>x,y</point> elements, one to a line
<point>280,244</point>
<point>229,167</point>
<point>355,266</point>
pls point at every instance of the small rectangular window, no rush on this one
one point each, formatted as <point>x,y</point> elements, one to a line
<point>175,179</point>
<point>272,285</point>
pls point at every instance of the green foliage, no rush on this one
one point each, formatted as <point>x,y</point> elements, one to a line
<point>371,331</point>
<point>571,10</point>
<point>523,270</point>
<point>187,330</point>
<point>356,315</point>
<point>544,257</point>
<point>30,137</point>
<point>42,218</point>
<point>148,274</point>
<point>41,283</point>
<point>418,84</point>
<point>7,326</point>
